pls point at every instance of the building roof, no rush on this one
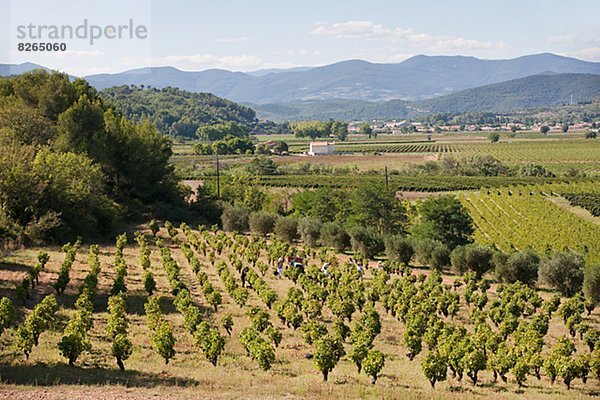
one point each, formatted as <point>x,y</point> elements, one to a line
<point>320,143</point>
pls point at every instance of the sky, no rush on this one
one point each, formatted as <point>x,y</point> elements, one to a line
<point>245,35</point>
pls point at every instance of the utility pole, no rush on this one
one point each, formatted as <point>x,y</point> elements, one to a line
<point>218,178</point>
<point>386,179</point>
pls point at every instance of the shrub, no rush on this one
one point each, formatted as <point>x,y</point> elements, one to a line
<point>149,282</point>
<point>309,230</point>
<point>435,367</point>
<point>563,271</point>
<point>72,344</point>
<point>366,242</point>
<point>458,259</point>
<point>373,364</point>
<point>518,267</point>
<point>433,253</point>
<point>235,219</point>
<point>210,342</point>
<point>334,235</point>
<point>227,322</point>
<point>121,349</point>
<point>261,223</point>
<point>399,248</point>
<point>7,313</point>
<point>286,229</point>
<point>154,227</point>
<point>479,259</point>
<point>163,341</point>
<point>328,352</point>
<point>440,257</point>
<point>591,283</point>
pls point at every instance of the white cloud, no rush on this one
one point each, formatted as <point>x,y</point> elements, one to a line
<point>461,44</point>
<point>356,30</point>
<point>78,54</point>
<point>241,39</point>
<point>426,41</point>
<point>206,61</point>
<point>571,39</point>
<point>243,61</point>
<point>590,54</point>
<point>301,52</point>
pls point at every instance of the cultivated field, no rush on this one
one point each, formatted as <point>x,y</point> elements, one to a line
<point>293,373</point>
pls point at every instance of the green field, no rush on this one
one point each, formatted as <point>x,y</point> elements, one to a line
<point>524,217</point>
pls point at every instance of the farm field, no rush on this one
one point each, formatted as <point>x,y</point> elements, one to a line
<point>524,217</point>
<point>559,154</point>
<point>189,374</point>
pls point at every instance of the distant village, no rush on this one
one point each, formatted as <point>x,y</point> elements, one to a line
<point>399,127</point>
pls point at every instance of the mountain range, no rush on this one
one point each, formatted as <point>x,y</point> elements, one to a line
<point>356,88</point>
<point>417,78</point>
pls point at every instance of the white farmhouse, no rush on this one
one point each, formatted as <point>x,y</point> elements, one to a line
<point>321,148</point>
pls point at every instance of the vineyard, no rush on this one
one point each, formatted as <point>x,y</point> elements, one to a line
<point>204,312</point>
<point>421,183</point>
<point>589,201</point>
<point>522,217</point>
<point>558,155</point>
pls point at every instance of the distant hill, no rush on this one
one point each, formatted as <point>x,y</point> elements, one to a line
<point>530,92</point>
<point>18,69</point>
<point>420,77</point>
<point>517,94</point>
<point>174,111</point>
<point>337,109</point>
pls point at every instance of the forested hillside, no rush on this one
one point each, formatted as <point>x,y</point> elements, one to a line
<point>176,112</point>
<point>72,165</point>
<point>518,94</point>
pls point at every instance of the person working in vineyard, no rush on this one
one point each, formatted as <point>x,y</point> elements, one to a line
<point>243,275</point>
<point>325,269</point>
<point>279,271</point>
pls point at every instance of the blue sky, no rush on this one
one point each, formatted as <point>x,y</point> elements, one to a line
<point>250,35</point>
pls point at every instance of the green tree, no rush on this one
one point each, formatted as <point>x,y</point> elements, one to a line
<point>444,218</point>
<point>399,248</point>
<point>518,267</point>
<point>365,129</point>
<point>286,229</point>
<point>563,271</point>
<point>366,242</point>
<point>261,223</point>
<point>339,130</point>
<point>334,235</point>
<point>591,284</point>
<point>309,230</point>
<point>374,206</point>
<point>235,219</point>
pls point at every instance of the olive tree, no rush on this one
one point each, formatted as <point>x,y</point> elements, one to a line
<point>563,271</point>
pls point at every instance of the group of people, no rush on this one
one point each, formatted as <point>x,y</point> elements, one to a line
<point>297,262</point>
